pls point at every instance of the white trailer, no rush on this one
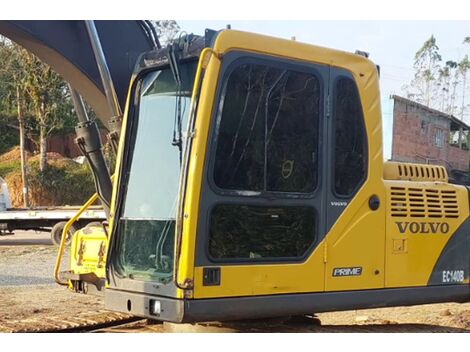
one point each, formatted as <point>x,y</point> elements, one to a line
<point>51,219</point>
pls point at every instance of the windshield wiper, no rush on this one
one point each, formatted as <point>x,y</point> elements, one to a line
<point>177,129</point>
<point>177,141</point>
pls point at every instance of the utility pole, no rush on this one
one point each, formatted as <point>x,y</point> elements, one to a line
<point>22,148</point>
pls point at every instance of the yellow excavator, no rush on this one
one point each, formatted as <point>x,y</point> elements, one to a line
<point>250,183</point>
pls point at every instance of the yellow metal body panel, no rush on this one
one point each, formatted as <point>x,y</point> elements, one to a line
<point>195,170</point>
<point>309,276</point>
<point>251,280</point>
<point>88,251</point>
<point>357,240</point>
<point>412,253</point>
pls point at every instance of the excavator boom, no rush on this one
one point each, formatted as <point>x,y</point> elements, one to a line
<point>66,47</point>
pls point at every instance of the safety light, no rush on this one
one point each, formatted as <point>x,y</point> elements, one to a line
<point>155,307</point>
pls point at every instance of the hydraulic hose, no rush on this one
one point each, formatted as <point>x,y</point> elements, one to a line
<point>89,142</point>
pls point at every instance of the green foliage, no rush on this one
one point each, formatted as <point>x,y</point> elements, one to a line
<point>43,94</point>
<point>464,65</point>
<point>8,167</point>
<point>428,53</point>
<point>47,109</point>
<point>66,184</point>
<point>9,135</point>
<point>47,93</point>
<point>426,66</point>
<point>63,182</point>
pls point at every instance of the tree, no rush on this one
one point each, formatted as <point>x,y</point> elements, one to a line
<point>48,96</point>
<point>46,89</point>
<point>440,86</point>
<point>24,177</point>
<point>426,64</point>
<point>444,85</point>
<point>453,84</point>
<point>463,67</point>
<point>447,81</point>
<point>13,76</point>
<point>42,92</point>
<point>167,30</point>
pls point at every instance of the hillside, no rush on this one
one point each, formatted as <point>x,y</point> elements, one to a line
<point>65,182</point>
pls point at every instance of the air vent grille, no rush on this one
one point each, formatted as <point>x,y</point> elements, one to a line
<point>423,202</point>
<point>414,172</point>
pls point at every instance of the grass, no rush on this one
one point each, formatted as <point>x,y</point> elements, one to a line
<point>7,167</point>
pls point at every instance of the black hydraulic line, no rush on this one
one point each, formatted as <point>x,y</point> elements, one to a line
<point>154,32</point>
<point>151,33</point>
<point>113,102</point>
<point>106,79</point>
<point>148,34</point>
<point>89,142</point>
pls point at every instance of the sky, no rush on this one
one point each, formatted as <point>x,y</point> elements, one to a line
<point>391,45</point>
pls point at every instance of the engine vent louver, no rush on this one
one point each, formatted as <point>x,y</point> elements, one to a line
<point>414,172</point>
<point>423,202</point>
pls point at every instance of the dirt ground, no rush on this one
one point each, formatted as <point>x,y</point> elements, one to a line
<point>30,309</point>
<point>30,301</point>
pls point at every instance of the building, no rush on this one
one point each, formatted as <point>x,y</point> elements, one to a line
<point>429,136</point>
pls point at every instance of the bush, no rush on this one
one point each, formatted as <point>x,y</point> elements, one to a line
<point>64,182</point>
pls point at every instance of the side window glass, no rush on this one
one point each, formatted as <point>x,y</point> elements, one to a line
<point>253,232</point>
<point>267,131</point>
<point>350,164</point>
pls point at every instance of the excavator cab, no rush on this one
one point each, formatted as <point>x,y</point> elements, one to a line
<point>220,205</point>
<point>250,183</point>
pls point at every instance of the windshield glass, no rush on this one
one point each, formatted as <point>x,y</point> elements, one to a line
<point>146,225</point>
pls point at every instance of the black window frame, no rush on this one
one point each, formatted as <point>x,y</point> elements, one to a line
<point>334,85</point>
<point>281,63</point>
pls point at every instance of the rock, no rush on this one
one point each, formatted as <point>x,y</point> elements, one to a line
<point>445,313</point>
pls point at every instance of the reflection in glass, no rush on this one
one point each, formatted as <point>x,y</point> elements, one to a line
<point>256,233</point>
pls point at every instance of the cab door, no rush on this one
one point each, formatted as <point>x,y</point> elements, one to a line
<point>262,218</point>
<point>355,211</point>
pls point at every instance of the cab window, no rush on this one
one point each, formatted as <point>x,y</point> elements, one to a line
<point>267,133</point>
<point>350,154</point>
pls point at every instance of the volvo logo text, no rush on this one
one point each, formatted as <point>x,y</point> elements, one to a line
<point>422,227</point>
